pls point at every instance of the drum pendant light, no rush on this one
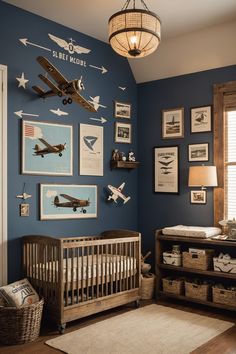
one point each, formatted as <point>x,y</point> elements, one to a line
<point>134,33</point>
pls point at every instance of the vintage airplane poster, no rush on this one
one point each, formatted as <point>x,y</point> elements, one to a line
<point>166,169</point>
<point>68,201</point>
<point>91,150</point>
<point>47,148</point>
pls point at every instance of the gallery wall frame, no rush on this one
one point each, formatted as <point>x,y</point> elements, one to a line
<point>201,119</point>
<point>123,133</point>
<point>47,148</point>
<point>173,123</point>
<point>198,197</point>
<point>166,169</point>
<point>122,109</point>
<point>91,150</point>
<point>198,152</point>
<point>68,201</point>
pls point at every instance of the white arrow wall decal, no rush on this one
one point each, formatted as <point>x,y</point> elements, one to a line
<point>21,113</point>
<point>102,120</point>
<point>25,42</point>
<point>103,70</point>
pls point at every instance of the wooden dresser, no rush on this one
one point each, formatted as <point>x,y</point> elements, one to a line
<point>165,242</point>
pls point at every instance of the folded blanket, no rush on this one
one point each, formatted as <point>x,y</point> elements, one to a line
<point>192,231</point>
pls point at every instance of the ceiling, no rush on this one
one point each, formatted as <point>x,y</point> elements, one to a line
<point>178,17</point>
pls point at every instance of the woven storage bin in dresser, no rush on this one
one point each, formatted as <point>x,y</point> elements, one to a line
<point>198,261</point>
<point>197,291</point>
<point>223,296</point>
<point>173,286</point>
<point>20,325</point>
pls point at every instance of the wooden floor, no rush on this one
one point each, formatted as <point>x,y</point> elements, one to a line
<point>225,343</point>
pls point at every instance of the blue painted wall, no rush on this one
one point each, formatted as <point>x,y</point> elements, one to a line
<point>16,24</point>
<point>157,210</point>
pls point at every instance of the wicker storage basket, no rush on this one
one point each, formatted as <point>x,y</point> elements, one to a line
<point>223,296</point>
<point>20,325</point>
<point>198,291</point>
<point>198,261</point>
<point>147,286</point>
<point>173,286</point>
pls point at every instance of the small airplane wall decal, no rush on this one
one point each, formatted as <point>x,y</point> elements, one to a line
<point>50,149</point>
<point>73,203</point>
<point>24,196</point>
<point>61,87</point>
<point>116,193</point>
<point>58,112</point>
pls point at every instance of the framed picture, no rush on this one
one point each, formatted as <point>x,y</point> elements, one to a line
<point>201,119</point>
<point>47,148</point>
<point>166,169</point>
<point>198,197</point>
<point>68,201</point>
<point>91,150</point>
<point>198,152</point>
<point>122,132</point>
<point>24,209</point>
<point>173,123</point>
<point>122,110</point>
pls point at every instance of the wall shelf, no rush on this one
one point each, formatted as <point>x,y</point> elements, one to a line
<point>165,242</point>
<point>123,164</point>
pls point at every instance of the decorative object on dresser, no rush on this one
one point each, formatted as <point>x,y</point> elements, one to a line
<point>80,276</point>
<point>200,278</point>
<point>224,263</point>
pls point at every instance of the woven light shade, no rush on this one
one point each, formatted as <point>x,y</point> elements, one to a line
<point>134,33</point>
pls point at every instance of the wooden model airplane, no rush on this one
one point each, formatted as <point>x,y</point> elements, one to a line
<point>72,203</point>
<point>62,87</point>
<point>116,193</point>
<point>50,149</point>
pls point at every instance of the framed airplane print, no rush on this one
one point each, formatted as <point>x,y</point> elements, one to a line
<point>173,123</point>
<point>198,152</point>
<point>122,110</point>
<point>67,201</point>
<point>166,169</point>
<point>47,148</point>
<point>201,119</point>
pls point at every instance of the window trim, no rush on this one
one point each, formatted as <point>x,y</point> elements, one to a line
<point>223,99</point>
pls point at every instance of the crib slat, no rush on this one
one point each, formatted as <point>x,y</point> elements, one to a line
<point>87,274</point>
<point>66,277</point>
<point>77,275</point>
<point>111,270</point>
<point>126,266</point>
<point>82,273</point>
<point>92,272</point>
<point>72,275</point>
<point>102,269</point>
<point>97,270</point>
<point>106,269</point>
<point>116,267</point>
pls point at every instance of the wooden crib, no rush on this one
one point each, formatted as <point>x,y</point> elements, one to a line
<point>79,276</point>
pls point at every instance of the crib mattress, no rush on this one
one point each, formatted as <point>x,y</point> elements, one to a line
<point>86,267</point>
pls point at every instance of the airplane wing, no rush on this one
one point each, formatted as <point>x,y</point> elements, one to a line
<point>43,93</point>
<point>113,197</point>
<point>165,163</point>
<point>121,187</point>
<point>83,102</point>
<point>81,50</point>
<point>52,71</point>
<point>50,84</point>
<point>71,199</point>
<point>50,147</point>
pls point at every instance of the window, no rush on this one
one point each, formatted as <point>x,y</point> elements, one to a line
<point>230,165</point>
<point>225,151</point>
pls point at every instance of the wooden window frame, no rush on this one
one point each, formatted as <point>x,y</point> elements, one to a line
<point>224,98</point>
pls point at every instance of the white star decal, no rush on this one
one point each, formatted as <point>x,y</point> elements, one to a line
<point>22,81</point>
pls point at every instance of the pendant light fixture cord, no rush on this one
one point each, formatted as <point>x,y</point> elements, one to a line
<point>126,5</point>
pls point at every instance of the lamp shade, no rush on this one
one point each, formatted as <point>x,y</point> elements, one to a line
<point>134,32</point>
<point>202,176</point>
